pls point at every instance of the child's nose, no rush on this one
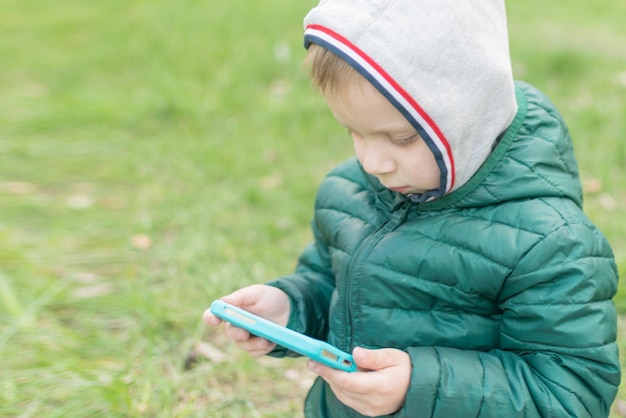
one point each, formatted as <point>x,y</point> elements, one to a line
<point>375,160</point>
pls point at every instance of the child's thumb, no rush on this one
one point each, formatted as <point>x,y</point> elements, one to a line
<point>374,359</point>
<point>243,297</point>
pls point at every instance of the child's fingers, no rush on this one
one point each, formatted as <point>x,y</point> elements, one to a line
<point>210,319</point>
<point>332,376</point>
<point>256,346</point>
<point>235,333</point>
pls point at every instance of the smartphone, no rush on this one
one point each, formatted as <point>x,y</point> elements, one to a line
<point>317,350</point>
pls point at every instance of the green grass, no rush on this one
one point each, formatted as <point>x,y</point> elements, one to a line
<point>156,155</point>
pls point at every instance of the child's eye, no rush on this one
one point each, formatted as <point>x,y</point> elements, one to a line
<point>405,140</point>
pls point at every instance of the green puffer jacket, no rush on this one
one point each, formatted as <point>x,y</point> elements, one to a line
<point>500,291</point>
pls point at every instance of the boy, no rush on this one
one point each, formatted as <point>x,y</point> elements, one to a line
<point>452,256</point>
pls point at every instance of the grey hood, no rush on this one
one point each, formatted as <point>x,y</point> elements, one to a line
<point>444,64</point>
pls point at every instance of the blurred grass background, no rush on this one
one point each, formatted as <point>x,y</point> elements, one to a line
<point>156,155</point>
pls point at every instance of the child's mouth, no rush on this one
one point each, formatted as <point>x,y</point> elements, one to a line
<point>404,189</point>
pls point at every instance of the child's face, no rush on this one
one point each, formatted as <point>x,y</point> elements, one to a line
<point>385,143</point>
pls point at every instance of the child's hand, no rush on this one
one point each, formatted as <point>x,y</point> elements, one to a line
<point>379,389</point>
<point>266,301</point>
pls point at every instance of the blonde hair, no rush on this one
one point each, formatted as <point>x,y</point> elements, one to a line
<point>329,73</point>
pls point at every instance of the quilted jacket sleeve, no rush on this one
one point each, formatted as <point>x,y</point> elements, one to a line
<point>557,355</point>
<point>309,289</point>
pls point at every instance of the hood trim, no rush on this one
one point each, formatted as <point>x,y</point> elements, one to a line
<point>399,98</point>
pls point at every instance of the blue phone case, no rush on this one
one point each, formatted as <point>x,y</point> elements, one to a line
<point>315,349</point>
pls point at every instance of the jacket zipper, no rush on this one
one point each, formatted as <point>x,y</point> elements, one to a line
<point>365,247</point>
